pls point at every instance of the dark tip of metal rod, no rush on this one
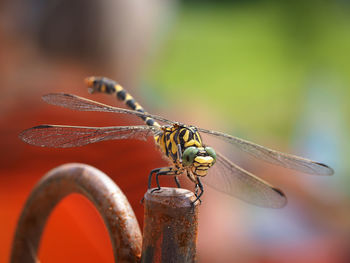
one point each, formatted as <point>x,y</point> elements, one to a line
<point>175,197</point>
<point>111,203</point>
<point>170,226</point>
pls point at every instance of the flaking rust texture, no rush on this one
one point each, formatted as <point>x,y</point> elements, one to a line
<point>170,226</point>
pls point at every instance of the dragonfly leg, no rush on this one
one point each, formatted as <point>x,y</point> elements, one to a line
<point>150,176</point>
<point>196,188</point>
<point>161,171</point>
<point>177,182</point>
<point>150,180</point>
<point>200,187</point>
<point>196,194</point>
<point>179,153</point>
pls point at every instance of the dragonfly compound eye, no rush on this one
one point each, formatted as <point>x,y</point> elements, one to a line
<point>188,155</point>
<point>210,151</point>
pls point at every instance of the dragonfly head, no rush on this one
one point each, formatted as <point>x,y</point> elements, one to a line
<point>199,159</point>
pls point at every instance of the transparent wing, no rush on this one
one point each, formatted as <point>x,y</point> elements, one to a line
<point>229,178</point>
<point>59,136</point>
<point>81,104</point>
<point>274,157</point>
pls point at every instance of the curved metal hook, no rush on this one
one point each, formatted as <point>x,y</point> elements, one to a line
<point>111,203</point>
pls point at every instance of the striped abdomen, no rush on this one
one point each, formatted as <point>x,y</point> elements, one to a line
<point>105,85</point>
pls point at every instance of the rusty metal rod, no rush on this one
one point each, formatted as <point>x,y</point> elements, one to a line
<point>111,203</point>
<point>170,226</point>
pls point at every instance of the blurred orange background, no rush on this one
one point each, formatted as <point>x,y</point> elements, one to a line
<point>278,71</point>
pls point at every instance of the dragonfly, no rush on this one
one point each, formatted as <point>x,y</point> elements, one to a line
<point>181,144</point>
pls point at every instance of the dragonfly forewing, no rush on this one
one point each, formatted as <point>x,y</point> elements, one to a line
<point>60,136</point>
<point>82,104</point>
<point>275,157</point>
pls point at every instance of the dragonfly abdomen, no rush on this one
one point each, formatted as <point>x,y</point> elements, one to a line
<point>108,86</point>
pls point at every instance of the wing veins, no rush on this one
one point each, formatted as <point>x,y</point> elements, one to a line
<point>61,136</point>
<point>82,104</point>
<point>272,156</point>
<point>231,179</point>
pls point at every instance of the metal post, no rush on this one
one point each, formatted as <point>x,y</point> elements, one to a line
<point>113,206</point>
<point>170,226</point>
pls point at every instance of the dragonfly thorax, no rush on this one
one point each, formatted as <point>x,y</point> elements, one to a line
<point>193,156</point>
<point>177,137</point>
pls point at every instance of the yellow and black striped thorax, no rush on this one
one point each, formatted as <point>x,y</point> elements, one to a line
<point>172,136</point>
<point>105,85</point>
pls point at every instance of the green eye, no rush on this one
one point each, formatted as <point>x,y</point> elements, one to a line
<point>211,152</point>
<point>188,155</point>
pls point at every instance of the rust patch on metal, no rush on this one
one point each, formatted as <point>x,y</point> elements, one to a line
<point>170,226</point>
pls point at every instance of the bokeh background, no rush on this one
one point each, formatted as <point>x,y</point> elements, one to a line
<point>274,72</point>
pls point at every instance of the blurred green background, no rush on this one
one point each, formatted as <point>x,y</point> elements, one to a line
<point>251,60</point>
